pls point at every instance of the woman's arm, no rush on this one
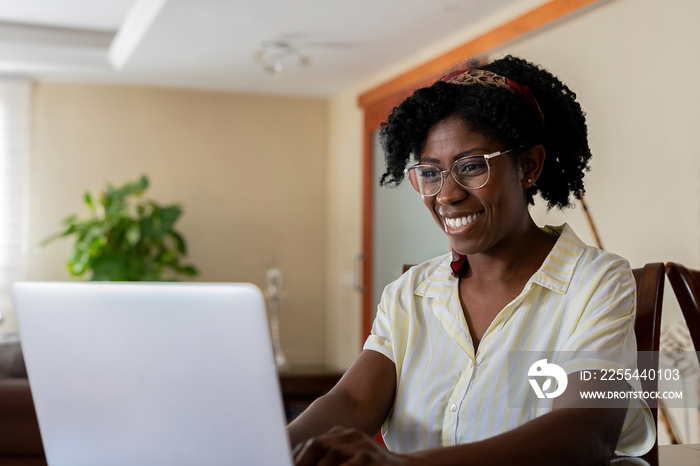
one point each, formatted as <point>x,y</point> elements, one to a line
<point>568,436</point>
<point>581,435</point>
<point>361,400</point>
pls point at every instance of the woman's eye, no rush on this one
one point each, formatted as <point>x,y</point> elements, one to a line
<point>472,167</point>
<point>429,173</point>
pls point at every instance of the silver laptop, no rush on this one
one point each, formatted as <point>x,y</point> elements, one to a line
<point>152,374</point>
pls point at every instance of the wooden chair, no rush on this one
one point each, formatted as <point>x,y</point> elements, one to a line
<point>647,324</point>
<point>686,286</point>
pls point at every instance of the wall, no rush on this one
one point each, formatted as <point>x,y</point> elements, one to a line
<point>344,208</point>
<point>633,65</point>
<point>248,170</point>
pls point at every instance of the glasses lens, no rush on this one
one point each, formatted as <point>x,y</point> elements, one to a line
<point>471,172</point>
<point>425,179</point>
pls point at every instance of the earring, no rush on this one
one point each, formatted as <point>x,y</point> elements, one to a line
<point>529,181</point>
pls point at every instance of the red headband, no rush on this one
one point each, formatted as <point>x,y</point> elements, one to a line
<point>487,78</point>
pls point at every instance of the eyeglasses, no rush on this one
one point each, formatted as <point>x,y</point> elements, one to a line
<point>471,172</point>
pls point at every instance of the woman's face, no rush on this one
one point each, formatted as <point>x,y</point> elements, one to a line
<point>496,211</point>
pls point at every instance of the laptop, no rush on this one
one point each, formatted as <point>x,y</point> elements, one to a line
<point>152,374</point>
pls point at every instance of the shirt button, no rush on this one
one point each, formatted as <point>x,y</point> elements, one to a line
<point>453,408</point>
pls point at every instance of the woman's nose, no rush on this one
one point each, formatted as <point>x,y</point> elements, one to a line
<point>450,192</point>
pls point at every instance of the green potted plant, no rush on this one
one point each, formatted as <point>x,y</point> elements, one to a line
<point>126,238</point>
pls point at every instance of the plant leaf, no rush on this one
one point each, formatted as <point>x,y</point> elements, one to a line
<point>169,216</point>
<point>180,244</point>
<point>69,231</point>
<point>78,262</point>
<point>133,234</point>
<point>109,267</point>
<point>142,183</point>
<point>71,219</point>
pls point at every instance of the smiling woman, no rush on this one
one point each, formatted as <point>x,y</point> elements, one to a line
<point>436,373</point>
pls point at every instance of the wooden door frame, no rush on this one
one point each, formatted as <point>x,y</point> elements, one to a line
<point>378,102</point>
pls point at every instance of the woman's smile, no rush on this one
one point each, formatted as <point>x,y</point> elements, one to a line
<point>456,224</point>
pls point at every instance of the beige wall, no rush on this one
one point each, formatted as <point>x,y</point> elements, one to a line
<point>249,172</point>
<point>344,231</point>
<point>633,63</point>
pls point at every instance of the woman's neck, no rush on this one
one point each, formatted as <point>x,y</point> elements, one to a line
<point>517,258</point>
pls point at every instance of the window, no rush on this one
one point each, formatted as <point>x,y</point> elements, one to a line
<point>14,155</point>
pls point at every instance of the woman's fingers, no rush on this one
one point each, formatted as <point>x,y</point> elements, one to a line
<point>364,458</point>
<point>329,449</point>
<point>344,447</point>
<point>307,453</point>
<point>297,449</point>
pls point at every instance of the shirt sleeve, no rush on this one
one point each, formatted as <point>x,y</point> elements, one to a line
<point>604,338</point>
<point>380,338</point>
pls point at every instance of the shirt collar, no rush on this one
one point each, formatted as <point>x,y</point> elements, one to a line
<point>555,273</point>
<point>440,282</point>
<point>558,268</point>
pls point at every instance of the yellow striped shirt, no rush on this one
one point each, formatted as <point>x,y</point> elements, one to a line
<point>581,299</point>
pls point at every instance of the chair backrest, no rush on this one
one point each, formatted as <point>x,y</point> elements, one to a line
<point>650,290</point>
<point>647,324</point>
<point>686,286</point>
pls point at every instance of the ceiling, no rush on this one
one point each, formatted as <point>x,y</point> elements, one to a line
<point>213,44</point>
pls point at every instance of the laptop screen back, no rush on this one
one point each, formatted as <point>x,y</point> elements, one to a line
<point>150,374</point>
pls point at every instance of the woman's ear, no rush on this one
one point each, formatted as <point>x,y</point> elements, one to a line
<point>532,164</point>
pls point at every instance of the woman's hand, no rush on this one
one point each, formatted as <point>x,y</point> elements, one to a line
<point>347,447</point>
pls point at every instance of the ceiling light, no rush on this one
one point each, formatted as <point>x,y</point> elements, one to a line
<point>273,55</point>
<point>273,68</point>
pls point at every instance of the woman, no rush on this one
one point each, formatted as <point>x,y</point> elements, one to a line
<point>435,373</point>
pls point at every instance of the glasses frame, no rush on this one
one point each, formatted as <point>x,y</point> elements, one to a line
<point>486,157</point>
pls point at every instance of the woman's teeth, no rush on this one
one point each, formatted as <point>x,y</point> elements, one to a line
<point>460,222</point>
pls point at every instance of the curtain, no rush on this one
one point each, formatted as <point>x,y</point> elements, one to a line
<point>14,155</point>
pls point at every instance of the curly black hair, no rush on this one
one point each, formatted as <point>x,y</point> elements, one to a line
<point>503,116</point>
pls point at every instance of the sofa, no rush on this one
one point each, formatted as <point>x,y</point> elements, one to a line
<point>20,440</point>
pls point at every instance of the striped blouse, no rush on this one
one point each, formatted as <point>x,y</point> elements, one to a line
<point>580,301</point>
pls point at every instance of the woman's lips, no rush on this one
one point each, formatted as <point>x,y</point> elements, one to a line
<point>459,222</point>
